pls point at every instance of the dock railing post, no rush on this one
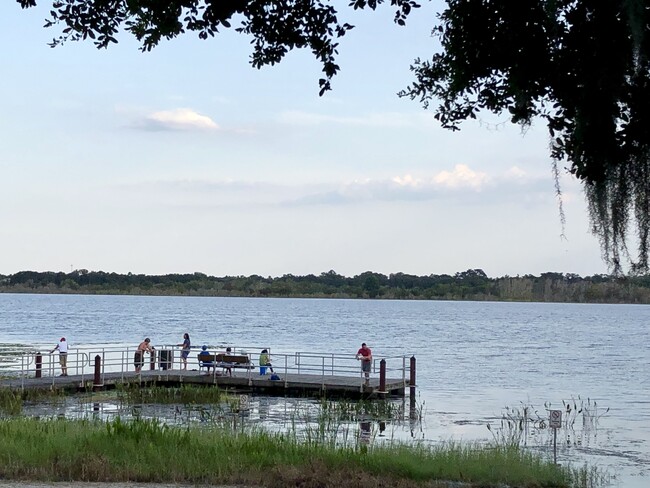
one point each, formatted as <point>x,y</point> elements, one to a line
<point>97,378</point>
<point>152,355</point>
<point>39,365</point>
<point>382,376</point>
<point>412,383</point>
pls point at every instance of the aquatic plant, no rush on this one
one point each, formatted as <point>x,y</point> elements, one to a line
<point>13,400</point>
<point>350,410</point>
<point>521,424</point>
<point>133,394</point>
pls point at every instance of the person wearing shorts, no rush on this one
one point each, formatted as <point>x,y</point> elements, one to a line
<point>62,347</point>
<point>138,358</point>
<point>185,349</point>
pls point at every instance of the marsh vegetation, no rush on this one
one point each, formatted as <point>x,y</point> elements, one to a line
<point>206,436</point>
<point>146,450</point>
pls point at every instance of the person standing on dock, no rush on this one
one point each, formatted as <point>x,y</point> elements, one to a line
<point>62,347</point>
<point>185,351</point>
<point>138,359</point>
<point>365,356</point>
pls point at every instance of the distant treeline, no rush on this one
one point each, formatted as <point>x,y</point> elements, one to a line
<point>472,284</point>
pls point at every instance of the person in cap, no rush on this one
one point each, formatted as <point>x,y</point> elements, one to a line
<point>206,360</point>
<point>62,347</point>
<point>138,358</point>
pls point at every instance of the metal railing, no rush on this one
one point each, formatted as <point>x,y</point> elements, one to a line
<point>166,359</point>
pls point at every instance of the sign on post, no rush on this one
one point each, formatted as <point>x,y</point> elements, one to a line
<point>244,404</point>
<point>555,422</point>
<point>555,419</point>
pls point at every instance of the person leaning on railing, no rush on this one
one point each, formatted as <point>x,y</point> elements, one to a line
<point>365,356</point>
<point>62,346</point>
<point>138,358</point>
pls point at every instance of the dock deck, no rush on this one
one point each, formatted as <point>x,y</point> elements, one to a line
<point>291,384</point>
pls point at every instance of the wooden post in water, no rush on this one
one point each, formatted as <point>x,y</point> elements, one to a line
<point>39,365</point>
<point>382,376</point>
<point>153,360</point>
<point>97,379</point>
<point>412,383</point>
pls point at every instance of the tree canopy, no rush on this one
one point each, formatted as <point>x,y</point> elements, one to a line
<point>582,66</point>
<point>276,26</point>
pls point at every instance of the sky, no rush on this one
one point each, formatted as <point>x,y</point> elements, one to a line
<point>186,159</point>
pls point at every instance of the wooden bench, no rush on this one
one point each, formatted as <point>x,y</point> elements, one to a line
<point>224,361</point>
<point>233,361</point>
<point>206,361</point>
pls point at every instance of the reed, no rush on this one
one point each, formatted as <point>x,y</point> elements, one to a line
<point>524,423</point>
<point>13,400</point>
<point>150,451</point>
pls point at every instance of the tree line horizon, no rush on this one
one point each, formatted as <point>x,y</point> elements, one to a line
<point>472,284</point>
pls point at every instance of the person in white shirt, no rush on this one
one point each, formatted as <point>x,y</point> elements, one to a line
<point>62,347</point>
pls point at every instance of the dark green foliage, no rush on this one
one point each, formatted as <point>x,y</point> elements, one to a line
<point>584,68</point>
<point>472,284</point>
<point>275,26</point>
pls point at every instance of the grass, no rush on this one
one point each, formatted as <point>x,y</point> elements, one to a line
<point>12,401</point>
<point>149,451</point>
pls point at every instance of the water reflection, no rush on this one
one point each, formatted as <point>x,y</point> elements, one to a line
<point>365,432</point>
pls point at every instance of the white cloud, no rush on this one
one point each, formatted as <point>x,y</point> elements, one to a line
<point>461,184</point>
<point>460,177</point>
<point>179,119</point>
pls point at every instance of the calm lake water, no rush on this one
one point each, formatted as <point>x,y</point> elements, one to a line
<point>475,359</point>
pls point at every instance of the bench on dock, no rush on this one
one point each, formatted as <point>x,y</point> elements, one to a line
<point>224,361</point>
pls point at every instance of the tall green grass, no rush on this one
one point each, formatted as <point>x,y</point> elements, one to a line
<point>13,400</point>
<point>149,451</point>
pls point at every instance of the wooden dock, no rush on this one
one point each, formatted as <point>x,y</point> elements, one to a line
<point>290,384</point>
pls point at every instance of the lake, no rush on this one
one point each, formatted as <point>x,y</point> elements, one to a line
<point>474,359</point>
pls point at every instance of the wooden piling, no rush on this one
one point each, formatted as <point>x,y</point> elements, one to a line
<point>412,383</point>
<point>382,376</point>
<point>152,364</point>
<point>97,378</point>
<point>39,365</point>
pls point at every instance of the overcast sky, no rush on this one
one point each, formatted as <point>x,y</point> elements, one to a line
<point>187,159</point>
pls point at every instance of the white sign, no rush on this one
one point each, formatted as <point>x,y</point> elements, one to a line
<point>555,419</point>
<point>243,403</point>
